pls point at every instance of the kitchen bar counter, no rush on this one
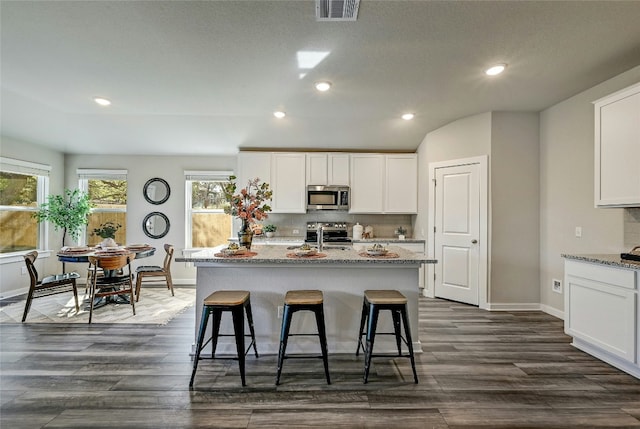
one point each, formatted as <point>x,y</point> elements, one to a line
<point>612,260</point>
<point>343,276</point>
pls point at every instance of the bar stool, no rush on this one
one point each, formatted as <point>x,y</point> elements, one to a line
<point>311,300</point>
<point>234,301</point>
<point>374,301</point>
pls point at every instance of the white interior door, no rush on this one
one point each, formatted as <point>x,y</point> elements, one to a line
<point>457,232</point>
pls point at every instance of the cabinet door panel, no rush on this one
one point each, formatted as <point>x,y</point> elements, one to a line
<point>617,149</point>
<point>317,169</point>
<point>401,193</point>
<point>367,179</point>
<point>288,181</point>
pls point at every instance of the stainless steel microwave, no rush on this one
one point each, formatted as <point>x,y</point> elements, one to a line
<point>321,197</point>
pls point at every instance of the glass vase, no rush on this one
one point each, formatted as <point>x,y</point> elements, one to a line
<point>245,235</point>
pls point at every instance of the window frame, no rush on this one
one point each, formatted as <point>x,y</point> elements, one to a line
<point>198,176</point>
<point>42,172</point>
<point>86,174</point>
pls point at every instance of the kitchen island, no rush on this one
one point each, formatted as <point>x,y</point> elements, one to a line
<point>343,274</point>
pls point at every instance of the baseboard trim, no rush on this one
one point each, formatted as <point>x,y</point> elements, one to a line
<point>515,306</point>
<point>552,311</point>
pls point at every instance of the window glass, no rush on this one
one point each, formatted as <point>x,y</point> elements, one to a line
<point>209,225</point>
<point>107,192</point>
<point>19,230</point>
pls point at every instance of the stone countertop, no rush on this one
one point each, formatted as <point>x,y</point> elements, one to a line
<point>389,240</point>
<point>277,254</point>
<point>613,260</point>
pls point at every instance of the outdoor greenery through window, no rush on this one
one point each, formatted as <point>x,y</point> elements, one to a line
<point>23,186</point>
<point>207,223</point>
<point>107,191</point>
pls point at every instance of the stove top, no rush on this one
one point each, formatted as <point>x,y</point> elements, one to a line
<point>332,232</point>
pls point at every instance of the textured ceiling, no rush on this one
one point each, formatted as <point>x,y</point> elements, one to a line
<point>189,77</point>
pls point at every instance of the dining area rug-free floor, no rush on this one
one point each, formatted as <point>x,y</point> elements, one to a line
<point>156,306</point>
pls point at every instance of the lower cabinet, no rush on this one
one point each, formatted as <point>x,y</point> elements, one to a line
<point>601,313</point>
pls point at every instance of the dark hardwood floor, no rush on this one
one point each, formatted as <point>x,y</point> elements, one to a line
<point>478,369</point>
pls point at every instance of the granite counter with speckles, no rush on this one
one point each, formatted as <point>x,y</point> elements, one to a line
<point>613,260</point>
<point>267,254</point>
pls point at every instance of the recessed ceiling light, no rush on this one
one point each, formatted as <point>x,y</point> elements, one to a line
<point>323,86</point>
<point>279,114</point>
<point>408,116</point>
<point>102,101</point>
<point>495,70</point>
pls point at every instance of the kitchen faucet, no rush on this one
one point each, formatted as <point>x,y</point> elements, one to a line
<point>319,233</point>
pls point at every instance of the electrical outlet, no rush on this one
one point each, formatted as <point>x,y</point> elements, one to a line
<point>280,310</point>
<point>578,232</point>
<point>296,231</point>
<point>23,271</point>
<point>556,286</point>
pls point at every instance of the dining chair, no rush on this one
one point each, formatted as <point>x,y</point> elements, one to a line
<point>50,285</point>
<point>155,273</point>
<point>116,281</point>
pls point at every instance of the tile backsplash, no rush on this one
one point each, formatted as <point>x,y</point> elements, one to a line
<point>631,227</point>
<point>384,226</point>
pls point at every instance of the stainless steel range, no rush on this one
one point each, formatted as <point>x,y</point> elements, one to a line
<point>332,232</point>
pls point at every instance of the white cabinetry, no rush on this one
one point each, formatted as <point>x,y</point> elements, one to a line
<point>367,183</point>
<point>617,149</point>
<point>601,312</point>
<point>288,182</point>
<point>384,183</point>
<point>328,169</point>
<point>252,165</point>
<point>283,171</point>
<point>401,187</point>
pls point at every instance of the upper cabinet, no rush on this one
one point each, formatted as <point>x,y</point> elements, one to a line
<point>283,171</point>
<point>287,180</point>
<point>379,183</point>
<point>384,183</point>
<point>617,149</point>
<point>253,165</point>
<point>367,183</point>
<point>328,169</point>
<point>401,188</point>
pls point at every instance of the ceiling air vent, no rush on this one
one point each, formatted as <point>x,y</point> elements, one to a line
<point>337,10</point>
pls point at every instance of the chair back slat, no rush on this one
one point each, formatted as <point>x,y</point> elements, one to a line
<point>167,258</point>
<point>30,259</point>
<point>110,262</point>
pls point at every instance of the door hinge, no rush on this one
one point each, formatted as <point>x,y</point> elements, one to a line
<point>434,229</point>
<point>435,182</point>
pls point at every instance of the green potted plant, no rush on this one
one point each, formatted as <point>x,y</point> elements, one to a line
<point>107,231</point>
<point>69,212</point>
<point>269,230</point>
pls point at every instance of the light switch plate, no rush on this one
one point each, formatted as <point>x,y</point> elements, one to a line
<point>578,231</point>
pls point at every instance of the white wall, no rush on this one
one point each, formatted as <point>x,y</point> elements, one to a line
<point>514,208</point>
<point>510,139</point>
<point>12,282</point>
<point>566,187</point>
<point>140,169</point>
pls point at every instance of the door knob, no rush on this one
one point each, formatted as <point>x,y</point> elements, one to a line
<point>474,241</point>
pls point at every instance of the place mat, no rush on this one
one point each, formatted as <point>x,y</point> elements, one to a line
<point>314,256</point>
<point>112,252</point>
<point>75,250</point>
<point>248,254</point>
<point>389,255</point>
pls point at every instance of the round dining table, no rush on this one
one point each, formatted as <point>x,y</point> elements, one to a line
<point>81,255</point>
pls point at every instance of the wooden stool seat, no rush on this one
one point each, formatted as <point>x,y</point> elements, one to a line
<point>303,297</point>
<point>227,297</point>
<point>385,297</point>
<point>298,300</point>
<point>236,302</point>
<point>374,301</point>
